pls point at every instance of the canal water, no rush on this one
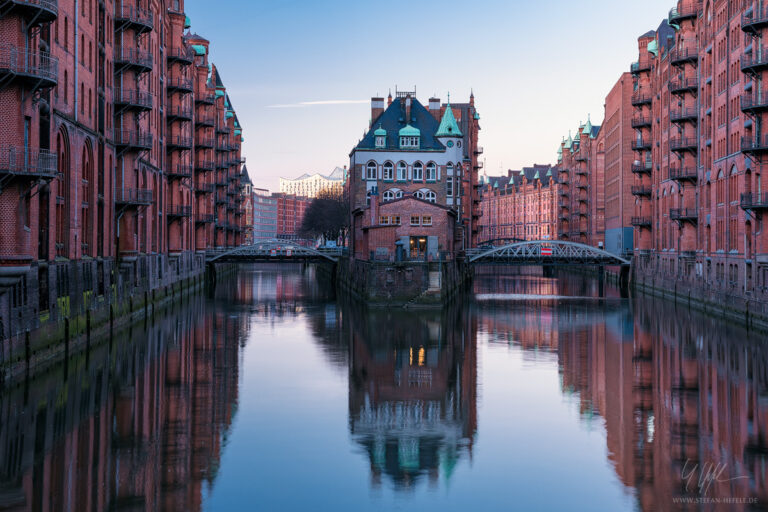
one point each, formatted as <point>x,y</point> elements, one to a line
<point>537,394</point>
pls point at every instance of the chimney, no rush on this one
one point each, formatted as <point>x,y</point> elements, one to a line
<point>389,99</point>
<point>408,109</point>
<point>377,108</point>
<point>434,108</point>
<point>374,206</point>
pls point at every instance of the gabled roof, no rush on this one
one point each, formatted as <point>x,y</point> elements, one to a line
<point>393,120</point>
<point>448,126</point>
<point>245,178</point>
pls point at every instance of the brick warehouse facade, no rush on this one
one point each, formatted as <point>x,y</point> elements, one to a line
<point>119,162</point>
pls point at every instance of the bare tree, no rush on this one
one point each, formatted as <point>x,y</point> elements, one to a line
<point>327,216</point>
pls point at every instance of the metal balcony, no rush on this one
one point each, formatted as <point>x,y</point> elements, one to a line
<point>684,115</point>
<point>754,145</point>
<point>683,174</point>
<point>581,156</point>
<point>564,181</point>
<point>753,201</point>
<point>688,10</point>
<point>182,55</point>
<point>755,61</point>
<point>684,214</point>
<point>754,103</point>
<point>205,142</point>
<point>564,193</point>
<point>640,122</point>
<point>223,129</point>
<point>640,168</point>
<point>177,212</point>
<point>179,171</point>
<point>684,85</point>
<point>680,144</point>
<point>204,165</point>
<point>641,222</point>
<point>479,150</point>
<point>680,56</point>
<point>136,18</point>
<point>34,12</point>
<point>132,140</point>
<point>754,20</point>
<point>641,144</point>
<point>179,84</point>
<point>37,69</point>
<point>31,163</point>
<point>581,172</point>
<point>132,58</point>
<point>205,120</point>
<point>641,190</point>
<point>221,198</point>
<point>176,142</point>
<point>639,99</point>
<point>132,99</point>
<point>206,99</point>
<point>204,188</point>
<point>178,113</point>
<point>204,218</point>
<point>133,196</point>
<point>641,66</point>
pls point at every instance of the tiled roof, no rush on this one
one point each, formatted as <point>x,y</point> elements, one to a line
<point>393,120</point>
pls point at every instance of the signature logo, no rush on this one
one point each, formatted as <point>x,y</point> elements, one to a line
<point>708,473</point>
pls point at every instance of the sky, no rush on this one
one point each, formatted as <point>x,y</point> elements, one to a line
<point>301,73</point>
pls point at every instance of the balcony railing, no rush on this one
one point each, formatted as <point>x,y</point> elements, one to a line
<point>641,99</point>
<point>684,144</point>
<point>137,18</point>
<point>581,156</point>
<point>683,85</point>
<point>204,142</point>
<point>221,198</point>
<point>28,162</point>
<point>684,214</point>
<point>684,115</point>
<point>754,201</point>
<point>754,102</point>
<point>679,56</point>
<point>133,196</point>
<point>642,168</point>
<point>754,145</point>
<point>37,67</point>
<point>183,55</point>
<point>754,20</point>
<point>207,99</point>
<point>479,150</point>
<point>132,139</point>
<point>179,171</point>
<point>204,218</point>
<point>39,11</point>
<point>204,188</point>
<point>180,84</point>
<point>205,165</point>
<point>641,121</point>
<point>641,190</point>
<point>641,144</point>
<point>642,222</point>
<point>132,98</point>
<point>755,61</point>
<point>134,58</point>
<point>205,120</point>
<point>683,173</point>
<point>640,67</point>
<point>178,142</point>
<point>179,112</point>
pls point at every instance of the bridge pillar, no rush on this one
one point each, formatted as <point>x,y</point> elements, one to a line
<point>624,279</point>
<point>601,281</point>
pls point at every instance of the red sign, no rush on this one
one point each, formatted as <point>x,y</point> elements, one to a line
<point>273,252</point>
<point>546,251</point>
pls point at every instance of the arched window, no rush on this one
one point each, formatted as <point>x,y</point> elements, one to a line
<point>720,190</point>
<point>398,194</point>
<point>389,171</point>
<point>430,196</point>
<point>449,169</point>
<point>62,193</point>
<point>389,195</point>
<point>402,171</point>
<point>418,171</point>
<point>418,194</point>
<point>458,169</point>
<point>431,171</point>
<point>733,188</point>
<point>370,172</point>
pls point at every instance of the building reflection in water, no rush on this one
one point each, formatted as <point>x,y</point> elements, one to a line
<point>135,424</point>
<point>412,391</point>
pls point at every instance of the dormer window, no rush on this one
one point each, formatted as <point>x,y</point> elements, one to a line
<point>410,137</point>
<point>409,142</point>
<point>381,141</point>
<point>380,138</point>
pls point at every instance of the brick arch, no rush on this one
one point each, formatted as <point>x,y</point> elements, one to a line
<point>62,191</point>
<point>87,198</point>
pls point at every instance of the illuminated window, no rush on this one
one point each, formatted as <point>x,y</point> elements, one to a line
<point>396,220</point>
<point>426,220</point>
<point>384,220</point>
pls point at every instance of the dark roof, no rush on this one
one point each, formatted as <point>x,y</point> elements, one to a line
<point>650,33</point>
<point>665,36</point>
<point>217,78</point>
<point>393,119</point>
<point>245,176</point>
<point>595,130</point>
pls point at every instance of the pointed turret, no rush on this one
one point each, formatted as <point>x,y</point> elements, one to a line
<point>448,126</point>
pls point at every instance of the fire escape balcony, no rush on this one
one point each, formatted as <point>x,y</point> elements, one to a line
<point>204,188</point>
<point>680,56</point>
<point>641,190</point>
<point>688,10</point>
<point>204,165</point>
<point>684,85</point>
<point>642,168</point>
<point>580,172</point>
<point>582,185</point>
<point>182,55</point>
<point>132,99</point>
<point>223,129</point>
<point>641,222</point>
<point>136,18</point>
<point>179,171</point>
<point>753,201</point>
<point>133,196</point>
<point>221,198</point>
<point>683,174</point>
<point>639,99</point>
<point>754,145</point>
<point>680,144</point>
<point>178,142</point>
<point>754,20</point>
<point>641,145</point>
<point>205,99</point>
<point>580,157</point>
<point>582,198</point>
<point>755,61</point>
<point>178,212</point>
<point>36,69</point>
<point>205,120</point>
<point>684,214</point>
<point>132,140</point>
<point>204,218</point>
<point>641,121</point>
<point>641,66</point>
<point>179,84</point>
<point>752,103</point>
<point>479,150</point>
<point>20,162</point>
<point>684,115</point>
<point>564,193</point>
<point>205,142</point>
<point>132,58</point>
<point>33,11</point>
<point>179,113</point>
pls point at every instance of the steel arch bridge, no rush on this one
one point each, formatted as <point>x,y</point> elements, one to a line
<point>545,252</point>
<point>275,251</point>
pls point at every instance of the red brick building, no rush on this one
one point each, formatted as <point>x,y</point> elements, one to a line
<point>290,214</point>
<point>117,131</point>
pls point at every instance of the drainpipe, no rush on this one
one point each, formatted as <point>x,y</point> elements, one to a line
<point>77,16</point>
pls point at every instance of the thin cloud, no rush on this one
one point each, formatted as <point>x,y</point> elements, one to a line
<point>304,104</point>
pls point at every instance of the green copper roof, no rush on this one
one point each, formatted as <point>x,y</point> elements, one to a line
<point>187,22</point>
<point>588,126</point>
<point>653,47</point>
<point>238,132</point>
<point>569,142</point>
<point>219,92</point>
<point>380,132</point>
<point>477,115</point>
<point>229,114</point>
<point>410,131</point>
<point>549,172</point>
<point>495,184</point>
<point>199,49</point>
<point>536,176</point>
<point>448,126</point>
